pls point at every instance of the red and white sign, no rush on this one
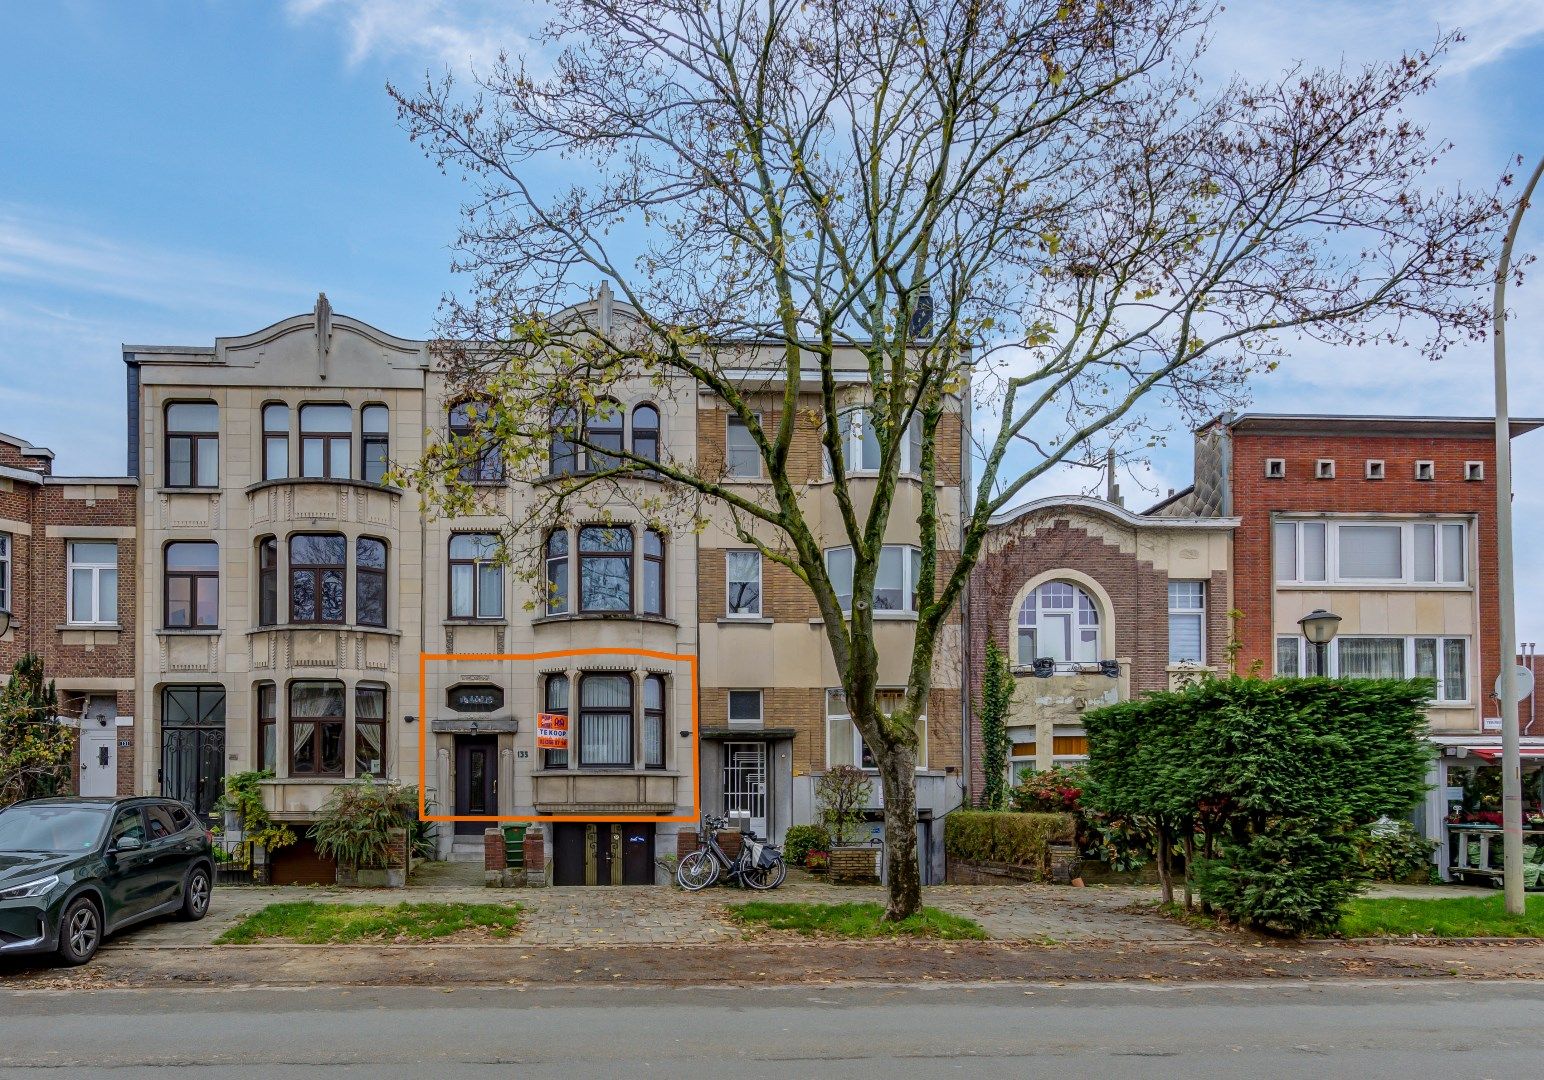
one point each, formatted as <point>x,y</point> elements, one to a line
<point>551,731</point>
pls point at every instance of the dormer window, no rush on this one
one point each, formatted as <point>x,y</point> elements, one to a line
<point>1275,468</point>
<point>1324,469</point>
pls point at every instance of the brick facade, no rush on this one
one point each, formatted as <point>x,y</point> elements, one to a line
<point>43,514</point>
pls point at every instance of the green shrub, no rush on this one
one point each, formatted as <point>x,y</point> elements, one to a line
<point>800,840</point>
<point>358,819</point>
<point>1292,879</point>
<point>1005,837</point>
<point>1395,852</point>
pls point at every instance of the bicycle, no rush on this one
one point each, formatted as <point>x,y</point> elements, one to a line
<point>758,865</point>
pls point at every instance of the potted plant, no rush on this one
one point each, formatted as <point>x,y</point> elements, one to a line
<point>842,795</point>
<point>364,827</point>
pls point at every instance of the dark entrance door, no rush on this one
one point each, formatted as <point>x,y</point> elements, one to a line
<point>476,781</point>
<point>568,852</point>
<point>603,853</point>
<point>637,853</point>
<point>193,745</point>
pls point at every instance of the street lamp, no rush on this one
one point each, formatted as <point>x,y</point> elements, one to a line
<point>1319,628</point>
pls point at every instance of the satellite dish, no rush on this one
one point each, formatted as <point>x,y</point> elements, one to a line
<point>1524,683</point>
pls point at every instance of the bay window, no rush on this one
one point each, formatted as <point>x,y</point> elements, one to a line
<point>317,566</point>
<point>742,574</point>
<point>895,579</point>
<point>844,744</point>
<point>476,577</point>
<point>369,581</point>
<point>603,432</point>
<point>605,568</point>
<point>326,441</point>
<point>192,584</point>
<point>557,572</point>
<point>93,582</point>
<point>605,721</point>
<point>267,726</point>
<point>267,581</point>
<point>316,728</point>
<point>646,431</point>
<point>276,441</point>
<point>653,573</point>
<point>562,447</point>
<point>1336,552</point>
<point>374,443</point>
<point>654,722</point>
<point>555,698</point>
<point>193,444</point>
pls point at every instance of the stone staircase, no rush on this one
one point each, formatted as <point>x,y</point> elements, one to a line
<point>467,849</point>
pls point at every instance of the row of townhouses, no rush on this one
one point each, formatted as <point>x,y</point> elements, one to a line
<point>250,595</point>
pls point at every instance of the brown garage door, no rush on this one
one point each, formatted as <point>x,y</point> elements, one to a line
<point>299,864</point>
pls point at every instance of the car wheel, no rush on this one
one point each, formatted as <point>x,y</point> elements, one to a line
<point>195,895</point>
<point>80,931</point>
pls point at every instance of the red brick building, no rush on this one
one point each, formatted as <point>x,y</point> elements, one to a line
<point>67,558</point>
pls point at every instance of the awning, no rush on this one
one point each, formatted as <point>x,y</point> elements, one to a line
<point>1492,754</point>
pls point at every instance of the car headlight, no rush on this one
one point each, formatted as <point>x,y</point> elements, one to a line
<point>31,888</point>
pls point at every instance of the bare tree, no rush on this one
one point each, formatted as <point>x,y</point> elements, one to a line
<point>1033,206</point>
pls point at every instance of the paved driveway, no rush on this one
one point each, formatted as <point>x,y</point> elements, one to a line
<point>661,915</point>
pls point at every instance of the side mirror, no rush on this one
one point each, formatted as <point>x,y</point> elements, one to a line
<point>126,844</point>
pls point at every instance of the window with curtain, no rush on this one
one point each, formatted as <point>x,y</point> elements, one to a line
<point>562,444</point>
<point>605,721</point>
<point>1288,656</point>
<point>653,573</point>
<point>276,433</point>
<point>482,462</point>
<point>860,444</point>
<point>268,581</point>
<point>895,579</point>
<point>654,722</point>
<point>192,583</point>
<point>193,444</point>
<point>316,728</point>
<point>369,581</point>
<point>370,731</point>
<point>476,577</point>
<point>742,458</point>
<point>557,572</point>
<point>1371,657</point>
<point>374,443</point>
<point>1187,622</point>
<point>1445,662</point>
<point>93,581</point>
<point>1058,621</point>
<point>603,431</point>
<point>845,746</point>
<point>605,568</point>
<point>1309,551</point>
<point>555,697</point>
<point>327,441</point>
<point>267,727</point>
<point>316,567</point>
<point>742,574</point>
<point>646,431</point>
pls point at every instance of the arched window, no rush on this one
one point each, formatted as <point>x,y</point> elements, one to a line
<point>562,449</point>
<point>646,431</point>
<point>1058,621</point>
<point>557,572</point>
<point>653,573</point>
<point>605,568</point>
<point>483,464</point>
<point>603,431</point>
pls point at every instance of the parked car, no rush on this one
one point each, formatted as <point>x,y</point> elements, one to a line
<point>73,870</point>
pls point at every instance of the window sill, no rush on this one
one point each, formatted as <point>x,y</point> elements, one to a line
<point>474,622</point>
<point>283,781</point>
<point>603,616</point>
<point>1374,586</point>
<point>744,620</point>
<point>327,481</point>
<point>170,490</point>
<point>89,626</point>
<point>189,631</point>
<point>877,616</point>
<point>324,626</point>
<point>607,770</point>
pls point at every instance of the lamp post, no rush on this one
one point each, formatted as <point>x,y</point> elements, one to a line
<point>1511,752</point>
<point>1319,628</point>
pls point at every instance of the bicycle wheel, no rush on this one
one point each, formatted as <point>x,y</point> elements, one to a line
<point>697,871</point>
<point>761,879</point>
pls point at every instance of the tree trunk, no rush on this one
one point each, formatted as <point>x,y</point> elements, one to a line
<point>1165,871</point>
<point>903,877</point>
<point>1190,858</point>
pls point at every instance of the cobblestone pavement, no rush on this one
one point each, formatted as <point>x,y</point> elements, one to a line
<point>661,915</point>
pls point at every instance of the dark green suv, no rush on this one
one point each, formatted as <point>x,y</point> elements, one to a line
<point>73,870</point>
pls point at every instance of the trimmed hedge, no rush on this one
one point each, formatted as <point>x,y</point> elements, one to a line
<point>800,840</point>
<point>1005,837</point>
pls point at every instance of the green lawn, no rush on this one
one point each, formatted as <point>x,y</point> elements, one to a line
<point>1454,916</point>
<point>313,923</point>
<point>853,921</point>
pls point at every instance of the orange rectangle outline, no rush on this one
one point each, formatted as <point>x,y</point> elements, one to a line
<point>423,733</point>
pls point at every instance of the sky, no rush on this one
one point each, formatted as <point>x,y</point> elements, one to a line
<point>173,171</point>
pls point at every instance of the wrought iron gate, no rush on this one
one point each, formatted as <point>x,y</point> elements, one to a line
<point>193,745</point>
<point>745,785</point>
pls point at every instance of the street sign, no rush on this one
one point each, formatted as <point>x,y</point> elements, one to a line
<point>1524,683</point>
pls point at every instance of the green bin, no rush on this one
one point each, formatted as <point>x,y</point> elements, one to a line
<point>514,847</point>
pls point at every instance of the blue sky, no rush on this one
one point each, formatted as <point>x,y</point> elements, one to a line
<point>173,171</point>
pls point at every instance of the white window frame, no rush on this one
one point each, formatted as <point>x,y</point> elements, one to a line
<point>1332,659</point>
<point>1407,527</point>
<point>1075,628</point>
<point>857,740</point>
<point>729,611</point>
<point>911,570</point>
<point>729,422</point>
<point>729,716</point>
<point>96,585</point>
<point>1196,613</point>
<point>854,422</point>
<point>5,571</point>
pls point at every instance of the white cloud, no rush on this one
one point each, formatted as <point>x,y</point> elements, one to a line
<point>455,33</point>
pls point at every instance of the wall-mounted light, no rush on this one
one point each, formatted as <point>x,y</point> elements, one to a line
<point>686,734</point>
<point>410,719</point>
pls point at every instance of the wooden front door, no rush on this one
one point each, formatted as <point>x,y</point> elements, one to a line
<point>477,772</point>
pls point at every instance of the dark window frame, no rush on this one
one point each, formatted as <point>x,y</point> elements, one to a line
<point>369,440</point>
<point>327,439</point>
<point>362,573</point>
<point>555,567</point>
<point>316,737</point>
<point>653,716</point>
<point>477,594</point>
<point>583,557</point>
<point>193,579</point>
<point>381,723</point>
<point>563,448</point>
<point>610,411</point>
<point>558,759</point>
<point>268,581</point>
<point>267,711</point>
<point>630,712</point>
<point>200,442</point>
<point>317,573</point>
<point>488,468</point>
<point>648,433</point>
<point>657,562</point>
<point>276,435</point>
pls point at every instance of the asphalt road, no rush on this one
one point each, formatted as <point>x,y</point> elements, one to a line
<point>1412,1030</point>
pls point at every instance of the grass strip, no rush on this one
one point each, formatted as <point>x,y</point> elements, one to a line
<point>309,922</point>
<point>854,921</point>
<point>1450,916</point>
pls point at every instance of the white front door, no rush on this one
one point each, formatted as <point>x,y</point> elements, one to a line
<point>745,786</point>
<point>99,748</point>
